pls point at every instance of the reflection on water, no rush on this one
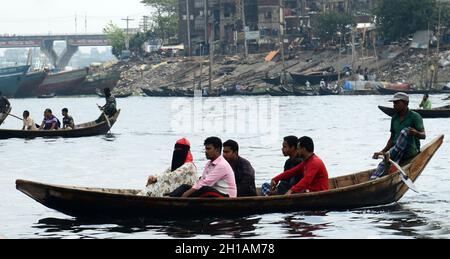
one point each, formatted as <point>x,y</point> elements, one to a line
<point>346,129</point>
<point>235,227</point>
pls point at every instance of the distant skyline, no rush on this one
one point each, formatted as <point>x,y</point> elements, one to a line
<point>58,16</point>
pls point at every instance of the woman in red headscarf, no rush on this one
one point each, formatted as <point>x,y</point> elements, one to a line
<point>182,171</point>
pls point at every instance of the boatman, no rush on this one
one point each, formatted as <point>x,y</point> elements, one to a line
<point>407,130</point>
<point>4,105</point>
<point>110,108</point>
<point>426,103</point>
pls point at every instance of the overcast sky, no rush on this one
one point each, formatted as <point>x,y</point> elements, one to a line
<point>58,16</point>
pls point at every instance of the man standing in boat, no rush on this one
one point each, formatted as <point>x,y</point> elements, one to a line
<point>4,105</point>
<point>426,103</point>
<point>407,129</point>
<point>110,108</point>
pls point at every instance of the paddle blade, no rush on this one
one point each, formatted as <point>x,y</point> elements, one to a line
<point>405,177</point>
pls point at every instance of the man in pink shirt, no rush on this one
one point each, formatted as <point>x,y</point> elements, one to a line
<point>218,177</point>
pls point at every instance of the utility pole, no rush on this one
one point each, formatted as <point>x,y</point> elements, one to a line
<point>241,5</point>
<point>281,35</point>
<point>127,42</point>
<point>85,23</point>
<point>211,55</point>
<point>76,24</point>
<point>188,22</point>
<point>436,64</point>
<point>145,19</point>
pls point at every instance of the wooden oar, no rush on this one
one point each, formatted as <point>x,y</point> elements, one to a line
<point>17,117</point>
<point>106,117</point>
<point>405,177</point>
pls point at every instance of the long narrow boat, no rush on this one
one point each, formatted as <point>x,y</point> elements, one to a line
<point>314,78</point>
<point>441,112</point>
<point>346,192</point>
<point>81,130</point>
<point>5,115</point>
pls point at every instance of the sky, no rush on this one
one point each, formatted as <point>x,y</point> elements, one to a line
<point>58,16</point>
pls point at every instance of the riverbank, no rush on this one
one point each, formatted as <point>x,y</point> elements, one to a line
<point>393,63</point>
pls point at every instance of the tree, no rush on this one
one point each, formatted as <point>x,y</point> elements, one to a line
<point>117,38</point>
<point>136,43</point>
<point>327,25</point>
<point>400,18</point>
<point>165,18</point>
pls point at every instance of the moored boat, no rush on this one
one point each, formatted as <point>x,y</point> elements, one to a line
<point>441,112</point>
<point>29,84</point>
<point>346,192</point>
<point>314,78</point>
<point>82,130</point>
<point>64,83</point>
<point>14,70</point>
<point>389,91</point>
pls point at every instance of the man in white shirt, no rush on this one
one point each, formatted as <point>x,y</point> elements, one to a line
<point>28,122</point>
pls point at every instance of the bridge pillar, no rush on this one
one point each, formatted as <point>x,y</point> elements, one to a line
<point>67,54</point>
<point>47,49</point>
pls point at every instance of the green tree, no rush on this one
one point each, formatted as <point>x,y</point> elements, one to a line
<point>117,38</point>
<point>165,18</point>
<point>327,25</point>
<point>400,18</point>
<point>136,43</point>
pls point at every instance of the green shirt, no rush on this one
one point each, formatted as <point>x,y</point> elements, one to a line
<point>426,105</point>
<point>411,120</point>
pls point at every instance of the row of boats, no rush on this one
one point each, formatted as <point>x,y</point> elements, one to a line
<point>20,82</point>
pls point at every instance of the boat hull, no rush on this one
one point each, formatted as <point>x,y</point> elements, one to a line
<point>10,83</point>
<point>63,84</point>
<point>443,112</point>
<point>313,79</point>
<point>28,87</point>
<point>14,70</point>
<point>347,192</point>
<point>83,130</point>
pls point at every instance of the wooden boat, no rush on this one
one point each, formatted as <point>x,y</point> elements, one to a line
<point>81,130</point>
<point>47,96</point>
<point>441,112</point>
<point>64,83</point>
<point>388,91</point>
<point>314,78</point>
<point>28,86</point>
<point>5,115</point>
<point>346,192</point>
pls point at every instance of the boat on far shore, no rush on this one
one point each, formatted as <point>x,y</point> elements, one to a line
<point>63,83</point>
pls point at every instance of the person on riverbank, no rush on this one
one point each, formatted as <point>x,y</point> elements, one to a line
<point>68,122</point>
<point>426,103</point>
<point>217,180</point>
<point>182,171</point>
<point>4,105</point>
<point>407,129</point>
<point>244,173</point>
<point>50,122</point>
<point>28,122</point>
<point>312,169</point>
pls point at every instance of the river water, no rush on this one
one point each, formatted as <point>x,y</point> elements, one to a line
<point>346,129</point>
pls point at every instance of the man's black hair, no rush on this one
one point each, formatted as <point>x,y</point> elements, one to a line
<point>215,142</point>
<point>65,110</point>
<point>233,145</point>
<point>307,143</point>
<point>26,113</point>
<point>292,141</point>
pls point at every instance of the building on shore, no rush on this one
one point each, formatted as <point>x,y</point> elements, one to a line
<point>223,20</point>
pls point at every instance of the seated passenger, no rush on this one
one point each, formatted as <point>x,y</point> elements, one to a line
<point>313,170</point>
<point>50,122</point>
<point>244,173</point>
<point>68,122</point>
<point>182,171</point>
<point>218,177</point>
<point>28,122</point>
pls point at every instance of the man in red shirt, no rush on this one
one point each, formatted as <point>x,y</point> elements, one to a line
<point>313,170</point>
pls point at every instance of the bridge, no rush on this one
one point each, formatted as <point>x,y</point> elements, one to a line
<point>45,43</point>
